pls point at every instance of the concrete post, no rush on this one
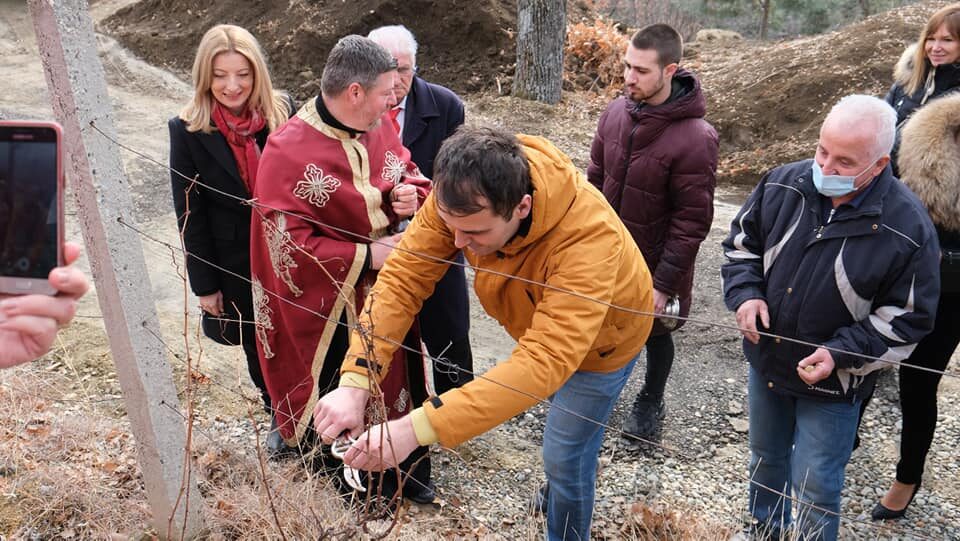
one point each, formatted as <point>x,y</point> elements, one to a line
<point>78,94</point>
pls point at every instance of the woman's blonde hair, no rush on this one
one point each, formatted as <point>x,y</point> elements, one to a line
<point>948,16</point>
<point>263,98</point>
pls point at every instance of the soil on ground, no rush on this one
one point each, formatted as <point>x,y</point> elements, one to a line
<point>464,44</point>
<point>766,99</point>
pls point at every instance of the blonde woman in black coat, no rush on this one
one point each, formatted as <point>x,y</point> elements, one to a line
<point>929,162</point>
<point>217,139</point>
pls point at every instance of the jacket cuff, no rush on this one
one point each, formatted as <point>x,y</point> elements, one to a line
<point>353,379</point>
<point>205,292</point>
<point>664,287</point>
<point>424,431</point>
<point>735,298</point>
<point>842,360</point>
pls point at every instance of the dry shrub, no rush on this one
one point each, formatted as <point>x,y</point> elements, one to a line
<point>67,473</point>
<point>593,59</point>
<point>69,470</point>
<point>646,522</point>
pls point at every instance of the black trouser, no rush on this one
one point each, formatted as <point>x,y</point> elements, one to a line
<point>445,327</point>
<point>253,368</point>
<point>452,364</point>
<point>660,352</point>
<point>918,389</point>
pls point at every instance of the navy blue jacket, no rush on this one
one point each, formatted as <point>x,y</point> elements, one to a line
<point>865,281</point>
<point>431,115</point>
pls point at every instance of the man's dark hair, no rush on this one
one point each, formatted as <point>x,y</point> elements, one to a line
<point>354,59</point>
<point>661,38</point>
<point>481,162</point>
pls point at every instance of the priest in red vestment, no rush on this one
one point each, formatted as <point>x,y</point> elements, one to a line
<point>332,178</point>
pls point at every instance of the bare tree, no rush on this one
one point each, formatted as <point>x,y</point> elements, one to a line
<point>666,12</point>
<point>766,6</point>
<point>541,30</point>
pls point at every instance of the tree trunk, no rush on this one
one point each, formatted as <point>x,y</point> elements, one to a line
<point>541,30</point>
<point>865,8</point>
<point>766,6</point>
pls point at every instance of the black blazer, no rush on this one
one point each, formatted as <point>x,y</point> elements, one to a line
<point>218,226</point>
<point>431,115</point>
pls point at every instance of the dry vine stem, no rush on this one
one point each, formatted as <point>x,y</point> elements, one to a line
<point>376,407</point>
<point>188,392</point>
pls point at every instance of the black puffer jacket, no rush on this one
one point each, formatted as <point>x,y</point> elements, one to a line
<point>946,79</point>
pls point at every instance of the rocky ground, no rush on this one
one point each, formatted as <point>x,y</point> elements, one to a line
<point>697,475</point>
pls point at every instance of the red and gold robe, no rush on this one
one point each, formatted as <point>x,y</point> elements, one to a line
<point>312,170</point>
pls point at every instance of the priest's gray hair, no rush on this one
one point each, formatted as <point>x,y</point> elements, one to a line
<point>354,59</point>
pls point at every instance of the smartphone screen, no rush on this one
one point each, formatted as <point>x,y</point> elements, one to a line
<point>29,206</point>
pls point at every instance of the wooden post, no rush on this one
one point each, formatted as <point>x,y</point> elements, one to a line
<point>78,95</point>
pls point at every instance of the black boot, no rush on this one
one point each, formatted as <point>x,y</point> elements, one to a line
<point>644,421</point>
<point>276,447</point>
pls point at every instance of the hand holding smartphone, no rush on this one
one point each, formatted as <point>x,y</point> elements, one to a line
<point>31,206</point>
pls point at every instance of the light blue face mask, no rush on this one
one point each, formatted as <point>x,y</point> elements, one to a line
<point>834,185</point>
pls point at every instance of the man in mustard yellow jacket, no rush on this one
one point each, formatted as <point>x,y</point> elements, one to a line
<point>517,207</point>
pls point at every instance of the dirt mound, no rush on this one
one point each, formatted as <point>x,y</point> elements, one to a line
<point>767,100</point>
<point>464,44</point>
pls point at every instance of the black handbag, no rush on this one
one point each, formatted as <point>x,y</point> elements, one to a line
<point>222,329</point>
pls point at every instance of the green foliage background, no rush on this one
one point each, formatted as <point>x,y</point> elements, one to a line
<point>787,18</point>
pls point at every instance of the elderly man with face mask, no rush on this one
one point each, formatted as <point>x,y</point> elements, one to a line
<point>832,251</point>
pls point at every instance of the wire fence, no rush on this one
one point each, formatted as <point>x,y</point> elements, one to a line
<point>177,253</point>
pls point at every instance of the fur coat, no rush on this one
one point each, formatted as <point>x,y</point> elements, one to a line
<point>930,159</point>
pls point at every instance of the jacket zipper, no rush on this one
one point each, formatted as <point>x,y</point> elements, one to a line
<point>626,172</point>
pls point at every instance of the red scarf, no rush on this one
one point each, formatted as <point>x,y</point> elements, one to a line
<point>240,132</point>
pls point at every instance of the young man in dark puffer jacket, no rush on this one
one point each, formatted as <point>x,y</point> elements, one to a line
<point>654,157</point>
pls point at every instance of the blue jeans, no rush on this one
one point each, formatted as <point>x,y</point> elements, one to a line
<point>571,448</point>
<point>802,445</point>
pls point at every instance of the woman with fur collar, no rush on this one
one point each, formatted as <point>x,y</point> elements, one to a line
<point>936,52</point>
<point>929,163</point>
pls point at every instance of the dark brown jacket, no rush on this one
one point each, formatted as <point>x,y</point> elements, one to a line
<point>657,165</point>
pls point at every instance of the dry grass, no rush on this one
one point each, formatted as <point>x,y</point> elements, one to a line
<point>68,470</point>
<point>655,522</point>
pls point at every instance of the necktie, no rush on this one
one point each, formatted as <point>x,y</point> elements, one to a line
<point>393,118</point>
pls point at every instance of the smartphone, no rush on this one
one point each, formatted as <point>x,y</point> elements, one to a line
<point>31,206</point>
